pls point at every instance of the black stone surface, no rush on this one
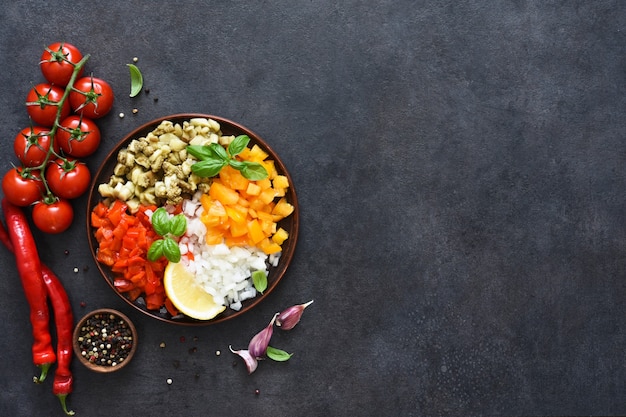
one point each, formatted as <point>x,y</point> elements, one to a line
<point>460,170</point>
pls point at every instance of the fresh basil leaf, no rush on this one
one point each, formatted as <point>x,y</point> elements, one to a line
<point>238,165</point>
<point>161,221</point>
<point>178,225</point>
<point>208,168</point>
<point>136,80</point>
<point>238,144</point>
<point>201,152</point>
<point>171,250</point>
<point>259,279</point>
<point>219,151</point>
<point>156,250</point>
<point>277,355</point>
<point>253,171</point>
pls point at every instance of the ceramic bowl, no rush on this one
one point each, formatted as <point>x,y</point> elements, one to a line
<point>290,224</point>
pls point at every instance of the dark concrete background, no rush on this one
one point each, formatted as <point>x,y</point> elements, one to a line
<point>460,170</point>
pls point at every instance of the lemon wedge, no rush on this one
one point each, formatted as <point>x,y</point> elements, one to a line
<point>187,296</point>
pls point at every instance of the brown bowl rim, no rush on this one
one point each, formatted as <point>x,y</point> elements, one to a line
<point>103,368</point>
<point>228,127</point>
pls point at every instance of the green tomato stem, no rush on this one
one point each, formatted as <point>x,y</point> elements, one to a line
<point>55,126</point>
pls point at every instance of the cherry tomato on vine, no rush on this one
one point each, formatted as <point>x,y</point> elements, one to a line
<point>22,188</point>
<point>53,217</point>
<point>58,61</point>
<point>42,104</point>
<point>78,136</point>
<point>92,97</point>
<point>68,178</point>
<point>31,145</point>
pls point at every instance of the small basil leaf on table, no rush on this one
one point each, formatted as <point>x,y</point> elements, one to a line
<point>136,80</point>
<point>277,354</point>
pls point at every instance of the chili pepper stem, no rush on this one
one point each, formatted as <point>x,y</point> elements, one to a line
<point>63,400</point>
<point>44,373</point>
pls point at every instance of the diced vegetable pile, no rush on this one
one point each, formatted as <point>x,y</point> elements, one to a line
<point>123,243</point>
<point>235,210</point>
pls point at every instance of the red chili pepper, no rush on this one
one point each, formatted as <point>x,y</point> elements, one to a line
<point>64,319</point>
<point>29,268</point>
<point>5,238</point>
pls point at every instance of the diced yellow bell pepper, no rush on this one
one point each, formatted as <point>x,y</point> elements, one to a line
<point>280,181</point>
<point>280,236</point>
<point>283,208</point>
<point>253,189</point>
<point>269,247</point>
<point>255,231</point>
<point>223,194</point>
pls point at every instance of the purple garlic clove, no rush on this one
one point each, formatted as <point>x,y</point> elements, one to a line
<point>259,343</point>
<point>287,319</point>
<point>251,362</point>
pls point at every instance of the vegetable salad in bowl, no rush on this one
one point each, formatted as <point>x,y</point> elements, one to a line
<point>193,219</point>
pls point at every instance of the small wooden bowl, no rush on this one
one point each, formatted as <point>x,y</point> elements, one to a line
<point>105,340</point>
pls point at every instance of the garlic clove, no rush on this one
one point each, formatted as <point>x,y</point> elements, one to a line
<point>259,343</point>
<point>288,318</point>
<point>251,362</point>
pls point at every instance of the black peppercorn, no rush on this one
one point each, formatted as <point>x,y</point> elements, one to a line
<point>105,339</point>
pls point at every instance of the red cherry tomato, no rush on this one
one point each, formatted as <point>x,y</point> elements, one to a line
<point>41,104</point>
<point>32,144</point>
<point>68,179</point>
<point>21,188</point>
<point>53,218</point>
<point>58,61</point>
<point>78,136</point>
<point>92,97</point>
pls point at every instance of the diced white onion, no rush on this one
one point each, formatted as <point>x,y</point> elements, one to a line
<point>222,271</point>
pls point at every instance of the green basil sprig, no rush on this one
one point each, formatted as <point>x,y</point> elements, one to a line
<point>168,227</point>
<point>213,157</point>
